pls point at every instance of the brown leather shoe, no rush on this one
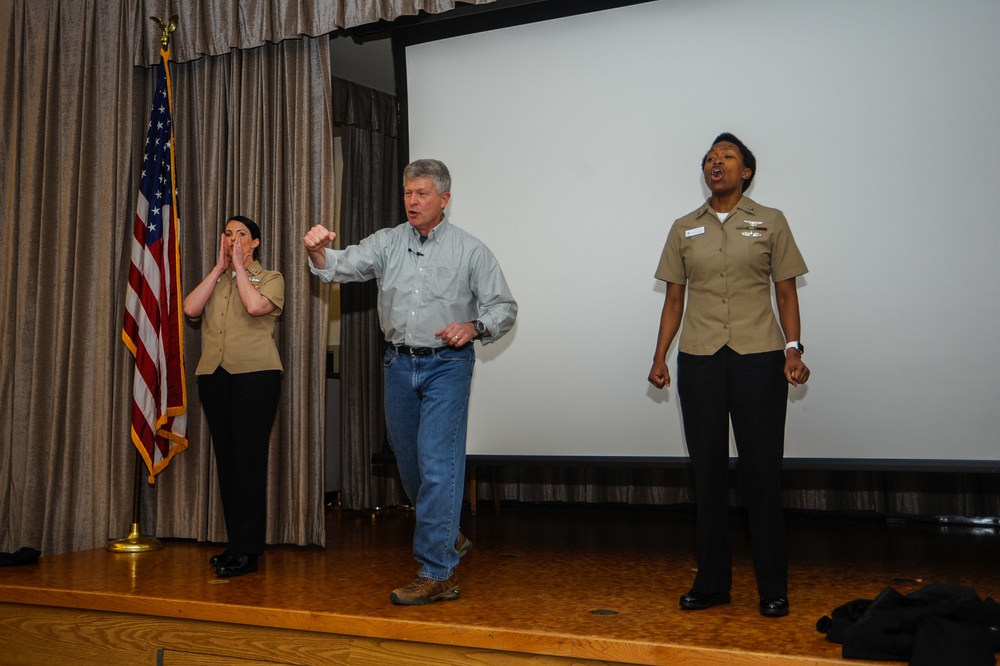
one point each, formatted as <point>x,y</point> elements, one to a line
<point>426,590</point>
<point>463,545</point>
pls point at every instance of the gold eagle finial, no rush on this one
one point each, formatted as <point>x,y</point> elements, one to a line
<point>166,28</point>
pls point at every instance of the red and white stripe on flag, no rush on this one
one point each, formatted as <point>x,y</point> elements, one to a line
<point>153,328</point>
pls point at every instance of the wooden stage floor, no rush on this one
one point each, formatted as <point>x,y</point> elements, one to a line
<point>543,584</point>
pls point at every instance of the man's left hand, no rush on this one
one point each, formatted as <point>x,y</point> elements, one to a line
<point>457,333</point>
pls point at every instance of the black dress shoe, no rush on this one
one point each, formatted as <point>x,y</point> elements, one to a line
<point>237,565</point>
<point>695,600</point>
<point>219,558</point>
<point>774,606</point>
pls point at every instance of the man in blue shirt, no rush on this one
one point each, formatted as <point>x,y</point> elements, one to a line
<point>440,289</point>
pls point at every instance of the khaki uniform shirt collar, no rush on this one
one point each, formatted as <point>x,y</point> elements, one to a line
<point>745,204</point>
<point>253,271</point>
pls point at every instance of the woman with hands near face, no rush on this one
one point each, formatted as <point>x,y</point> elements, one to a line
<point>239,383</point>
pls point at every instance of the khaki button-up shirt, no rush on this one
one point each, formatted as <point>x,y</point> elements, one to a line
<point>233,338</point>
<point>728,269</point>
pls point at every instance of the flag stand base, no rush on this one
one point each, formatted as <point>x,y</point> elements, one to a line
<point>134,543</point>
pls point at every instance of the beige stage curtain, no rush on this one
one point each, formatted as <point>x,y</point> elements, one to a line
<point>214,27</point>
<point>66,113</point>
<point>255,137</point>
<point>372,199</point>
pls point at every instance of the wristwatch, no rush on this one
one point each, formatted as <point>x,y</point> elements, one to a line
<point>795,344</point>
<point>480,329</point>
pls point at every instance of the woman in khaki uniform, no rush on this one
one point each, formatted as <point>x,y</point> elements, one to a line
<point>239,382</point>
<point>734,362</point>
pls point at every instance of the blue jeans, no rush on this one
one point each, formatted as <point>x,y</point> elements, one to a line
<point>426,415</point>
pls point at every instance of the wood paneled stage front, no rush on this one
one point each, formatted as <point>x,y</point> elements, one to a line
<point>543,585</point>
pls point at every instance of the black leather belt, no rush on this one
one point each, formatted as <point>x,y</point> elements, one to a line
<point>424,351</point>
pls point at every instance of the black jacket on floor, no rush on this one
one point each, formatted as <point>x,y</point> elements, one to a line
<point>937,624</point>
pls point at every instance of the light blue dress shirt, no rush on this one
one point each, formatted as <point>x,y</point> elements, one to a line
<point>424,286</point>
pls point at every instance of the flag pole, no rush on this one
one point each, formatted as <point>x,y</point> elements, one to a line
<point>135,542</point>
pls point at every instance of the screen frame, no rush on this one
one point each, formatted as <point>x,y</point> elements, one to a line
<point>479,18</point>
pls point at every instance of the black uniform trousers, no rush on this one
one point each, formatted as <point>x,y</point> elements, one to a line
<point>750,390</point>
<point>240,410</point>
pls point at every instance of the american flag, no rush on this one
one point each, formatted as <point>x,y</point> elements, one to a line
<point>153,324</point>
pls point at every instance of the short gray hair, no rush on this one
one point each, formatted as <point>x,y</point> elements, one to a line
<point>433,169</point>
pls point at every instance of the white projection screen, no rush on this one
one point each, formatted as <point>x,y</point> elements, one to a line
<point>575,142</point>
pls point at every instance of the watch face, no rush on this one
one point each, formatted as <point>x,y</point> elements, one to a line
<point>479,326</point>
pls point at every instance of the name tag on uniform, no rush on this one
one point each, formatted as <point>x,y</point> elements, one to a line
<point>694,232</point>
